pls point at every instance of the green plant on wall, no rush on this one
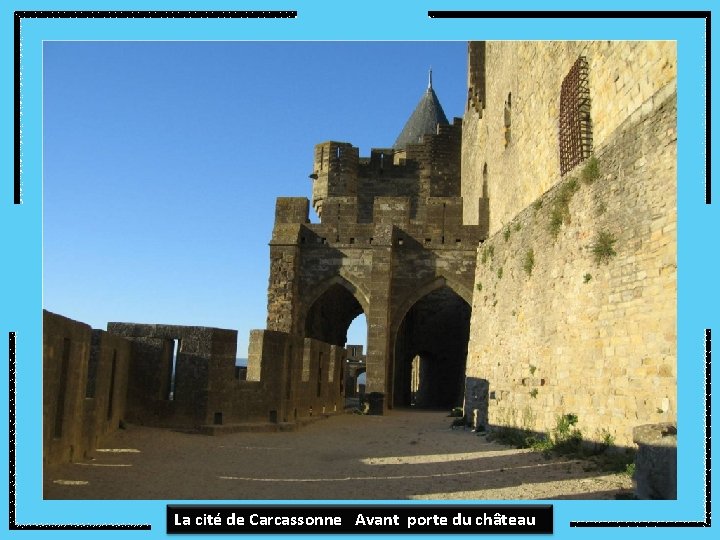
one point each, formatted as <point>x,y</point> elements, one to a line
<point>506,234</point>
<point>500,273</point>
<point>567,190</point>
<point>602,248</point>
<point>479,286</point>
<point>566,438</point>
<point>587,278</point>
<point>529,261</point>
<point>556,221</point>
<point>560,212</point>
<point>518,226</point>
<point>591,171</point>
<point>534,392</point>
<point>487,253</point>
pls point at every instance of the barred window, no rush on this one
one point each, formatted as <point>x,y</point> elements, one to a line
<point>575,126</point>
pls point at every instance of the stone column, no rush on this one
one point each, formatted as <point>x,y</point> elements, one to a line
<point>379,382</point>
<point>283,302</point>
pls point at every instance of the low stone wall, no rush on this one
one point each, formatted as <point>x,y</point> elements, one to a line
<point>93,380</point>
<point>205,356</point>
<point>303,375</point>
<point>85,376</point>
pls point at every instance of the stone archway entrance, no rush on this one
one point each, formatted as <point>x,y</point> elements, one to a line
<point>430,351</point>
<point>330,315</point>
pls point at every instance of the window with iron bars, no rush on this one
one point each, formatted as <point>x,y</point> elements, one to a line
<point>575,124</point>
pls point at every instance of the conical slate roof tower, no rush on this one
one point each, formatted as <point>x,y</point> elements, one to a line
<point>424,119</point>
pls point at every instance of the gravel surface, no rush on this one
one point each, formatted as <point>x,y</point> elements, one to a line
<point>406,454</point>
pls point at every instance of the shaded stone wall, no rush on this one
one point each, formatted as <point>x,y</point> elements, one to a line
<point>66,349</point>
<point>302,377</point>
<point>567,333</point>
<point>623,77</point>
<point>656,461</point>
<point>93,380</point>
<point>85,375</point>
<point>207,388</point>
<point>106,401</point>
<point>427,169</point>
<point>204,357</point>
<point>324,275</point>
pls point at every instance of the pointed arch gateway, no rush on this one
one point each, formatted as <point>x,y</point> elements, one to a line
<point>430,338</point>
<point>333,305</point>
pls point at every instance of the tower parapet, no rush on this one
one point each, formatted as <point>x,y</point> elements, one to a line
<point>335,172</point>
<point>429,168</point>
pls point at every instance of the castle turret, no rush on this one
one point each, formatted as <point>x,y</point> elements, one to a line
<point>335,172</point>
<point>424,120</point>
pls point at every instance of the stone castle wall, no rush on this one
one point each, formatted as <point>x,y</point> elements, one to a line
<point>324,275</point>
<point>518,83</point>
<point>427,169</point>
<point>391,232</point>
<point>93,380</point>
<point>553,331</point>
<point>85,376</point>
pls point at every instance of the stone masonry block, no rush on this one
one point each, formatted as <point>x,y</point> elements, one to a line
<point>292,210</point>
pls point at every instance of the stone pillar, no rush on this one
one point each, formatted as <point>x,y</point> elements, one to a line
<point>283,303</point>
<point>379,379</point>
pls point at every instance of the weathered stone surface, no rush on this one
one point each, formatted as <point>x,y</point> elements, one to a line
<point>391,237</point>
<point>85,379</point>
<point>569,332</point>
<point>656,461</point>
<point>624,77</point>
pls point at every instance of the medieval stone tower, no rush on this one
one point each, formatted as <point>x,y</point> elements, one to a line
<point>391,244</point>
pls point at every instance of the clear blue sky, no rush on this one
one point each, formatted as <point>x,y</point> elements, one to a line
<point>162,162</point>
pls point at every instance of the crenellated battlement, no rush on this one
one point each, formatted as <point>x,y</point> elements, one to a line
<point>441,228</point>
<point>335,172</point>
<point>429,168</point>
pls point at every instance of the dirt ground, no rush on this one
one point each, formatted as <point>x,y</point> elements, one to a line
<point>407,454</point>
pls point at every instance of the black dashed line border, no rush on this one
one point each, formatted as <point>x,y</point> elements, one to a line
<point>13,525</point>
<point>19,15</point>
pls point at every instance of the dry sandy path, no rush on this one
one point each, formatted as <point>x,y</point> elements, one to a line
<point>404,455</point>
